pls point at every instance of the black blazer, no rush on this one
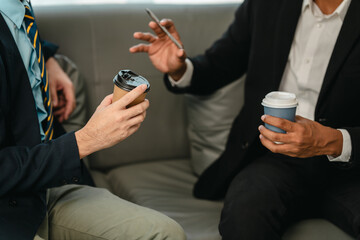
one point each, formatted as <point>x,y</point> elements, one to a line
<point>27,166</point>
<point>258,43</point>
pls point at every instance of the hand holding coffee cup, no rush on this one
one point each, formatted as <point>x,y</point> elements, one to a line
<point>281,105</point>
<point>125,81</point>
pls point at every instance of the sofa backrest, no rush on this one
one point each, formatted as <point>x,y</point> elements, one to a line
<point>97,39</point>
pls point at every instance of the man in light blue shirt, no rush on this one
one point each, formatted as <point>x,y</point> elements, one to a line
<point>13,13</point>
<point>30,166</point>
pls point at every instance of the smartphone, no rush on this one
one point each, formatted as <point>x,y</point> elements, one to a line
<point>153,17</point>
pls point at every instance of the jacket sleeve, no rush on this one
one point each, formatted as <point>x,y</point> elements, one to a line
<point>47,165</point>
<point>355,150</point>
<point>225,61</point>
<point>49,49</point>
<point>32,169</point>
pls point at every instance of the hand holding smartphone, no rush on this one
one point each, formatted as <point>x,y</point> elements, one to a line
<point>153,17</point>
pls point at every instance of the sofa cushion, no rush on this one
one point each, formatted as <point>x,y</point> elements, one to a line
<point>210,119</point>
<point>166,186</point>
<point>315,229</point>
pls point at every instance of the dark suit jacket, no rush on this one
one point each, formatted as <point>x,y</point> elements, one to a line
<point>27,166</point>
<point>258,43</point>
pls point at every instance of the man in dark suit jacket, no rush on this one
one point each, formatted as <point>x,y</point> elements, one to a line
<point>311,48</point>
<point>30,165</point>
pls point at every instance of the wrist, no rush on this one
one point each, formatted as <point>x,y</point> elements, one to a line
<point>177,75</point>
<point>49,63</point>
<point>84,142</point>
<point>334,144</point>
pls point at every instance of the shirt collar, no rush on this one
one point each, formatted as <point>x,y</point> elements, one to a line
<point>14,10</point>
<point>340,11</point>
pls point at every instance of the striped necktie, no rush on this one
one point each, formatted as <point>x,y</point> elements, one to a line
<point>33,34</point>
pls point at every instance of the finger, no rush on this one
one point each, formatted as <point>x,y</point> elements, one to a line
<point>300,118</point>
<point>53,94</point>
<point>59,111</point>
<point>139,48</point>
<point>131,96</point>
<point>148,37</point>
<point>137,119</point>
<point>274,147</point>
<point>157,30</point>
<point>60,118</point>
<point>105,102</point>
<point>169,24</point>
<point>133,129</point>
<point>137,109</point>
<point>274,136</point>
<point>69,94</point>
<point>281,123</point>
<point>181,54</point>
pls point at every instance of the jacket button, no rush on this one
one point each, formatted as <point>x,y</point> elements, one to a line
<point>75,179</point>
<point>12,203</point>
<point>322,120</point>
<point>64,182</point>
<point>245,145</point>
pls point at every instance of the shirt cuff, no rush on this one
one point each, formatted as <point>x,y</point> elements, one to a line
<point>346,149</point>
<point>185,80</point>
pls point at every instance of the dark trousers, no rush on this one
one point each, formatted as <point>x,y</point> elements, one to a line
<point>274,191</point>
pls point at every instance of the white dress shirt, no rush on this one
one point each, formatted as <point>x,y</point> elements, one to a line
<point>309,56</point>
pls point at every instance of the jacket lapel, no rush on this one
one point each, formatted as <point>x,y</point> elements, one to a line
<point>348,36</point>
<point>21,111</point>
<point>284,34</point>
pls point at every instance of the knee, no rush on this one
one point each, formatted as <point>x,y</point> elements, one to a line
<point>246,216</point>
<point>163,227</point>
<point>242,213</point>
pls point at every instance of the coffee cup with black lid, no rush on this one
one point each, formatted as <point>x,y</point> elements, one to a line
<point>280,104</point>
<point>127,80</point>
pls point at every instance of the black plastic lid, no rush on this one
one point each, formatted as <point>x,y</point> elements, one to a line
<point>128,80</point>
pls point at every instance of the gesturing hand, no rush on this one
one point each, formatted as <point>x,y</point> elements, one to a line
<point>61,90</point>
<point>303,138</point>
<point>163,53</point>
<point>112,122</point>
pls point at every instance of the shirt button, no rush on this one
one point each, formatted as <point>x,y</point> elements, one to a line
<point>322,120</point>
<point>12,203</point>
<point>319,25</point>
<point>307,61</point>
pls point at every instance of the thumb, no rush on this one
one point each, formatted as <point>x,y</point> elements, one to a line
<point>131,96</point>
<point>181,54</point>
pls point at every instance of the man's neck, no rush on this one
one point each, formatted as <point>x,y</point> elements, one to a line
<point>328,6</point>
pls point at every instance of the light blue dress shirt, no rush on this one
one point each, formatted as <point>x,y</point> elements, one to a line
<point>13,11</point>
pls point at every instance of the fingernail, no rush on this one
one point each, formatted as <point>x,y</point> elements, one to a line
<point>260,136</point>
<point>260,127</point>
<point>143,86</point>
<point>263,117</point>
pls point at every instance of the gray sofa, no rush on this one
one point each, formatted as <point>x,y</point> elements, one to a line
<point>153,167</point>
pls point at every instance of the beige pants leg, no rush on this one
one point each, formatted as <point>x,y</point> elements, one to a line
<point>83,212</point>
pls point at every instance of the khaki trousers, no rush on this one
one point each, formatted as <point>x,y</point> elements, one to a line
<point>82,212</point>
